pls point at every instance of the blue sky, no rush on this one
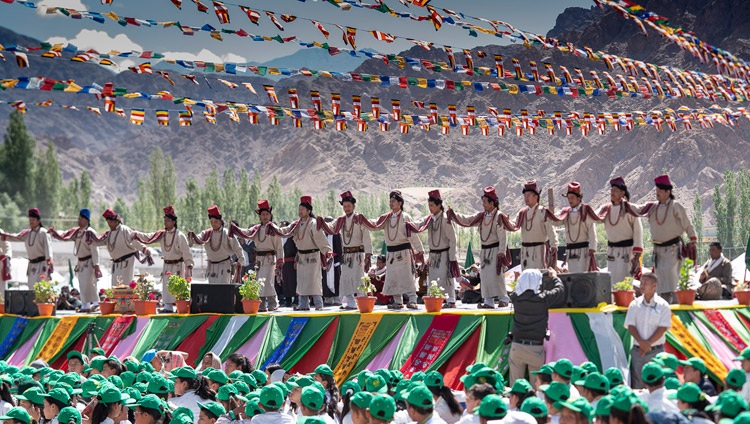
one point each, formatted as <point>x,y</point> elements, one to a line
<point>536,16</point>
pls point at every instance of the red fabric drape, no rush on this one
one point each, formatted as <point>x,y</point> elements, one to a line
<point>455,366</point>
<point>318,353</point>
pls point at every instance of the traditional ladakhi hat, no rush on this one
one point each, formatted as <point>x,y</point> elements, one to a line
<point>34,213</point>
<point>213,212</point>
<point>109,215</point>
<point>85,213</point>
<point>347,196</point>
<point>618,182</point>
<point>170,213</point>
<point>396,194</point>
<point>663,182</point>
<point>489,192</point>
<point>574,188</point>
<point>530,186</point>
<point>434,197</point>
<point>263,205</point>
<point>306,201</point>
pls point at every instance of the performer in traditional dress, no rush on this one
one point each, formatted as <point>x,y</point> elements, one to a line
<point>38,249</point>
<point>580,232</point>
<point>178,259</point>
<point>269,255</point>
<point>536,232</point>
<point>311,243</point>
<point>221,246</point>
<point>87,267</point>
<point>123,250</point>
<point>6,252</point>
<point>288,271</point>
<point>624,234</point>
<point>494,255</point>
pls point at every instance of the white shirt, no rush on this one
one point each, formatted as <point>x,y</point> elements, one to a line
<point>347,419</point>
<point>469,419</point>
<point>272,418</point>
<point>190,401</point>
<point>518,417</point>
<point>442,409</point>
<point>657,401</point>
<point>648,317</point>
<point>746,388</point>
<point>401,417</point>
<point>5,407</point>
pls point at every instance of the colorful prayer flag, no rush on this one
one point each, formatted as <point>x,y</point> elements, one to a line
<point>271,92</point>
<point>186,118</point>
<point>253,15</point>
<point>137,116</point>
<point>275,21</point>
<point>222,13</point>
<point>162,117</point>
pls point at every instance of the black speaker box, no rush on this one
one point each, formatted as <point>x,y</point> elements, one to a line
<point>21,302</point>
<point>587,289</point>
<point>215,299</point>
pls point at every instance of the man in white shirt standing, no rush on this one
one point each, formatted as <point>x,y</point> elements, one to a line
<point>652,376</point>
<point>647,320</point>
<point>744,359</point>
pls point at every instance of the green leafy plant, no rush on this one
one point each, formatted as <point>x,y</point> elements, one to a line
<point>512,285</point>
<point>44,291</point>
<point>143,288</point>
<point>365,288</point>
<point>685,272</point>
<point>624,285</point>
<point>433,290</point>
<point>109,294</point>
<point>178,287</point>
<point>251,285</point>
<point>742,285</point>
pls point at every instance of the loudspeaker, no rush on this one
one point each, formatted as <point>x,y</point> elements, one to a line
<point>20,302</point>
<point>215,299</point>
<point>587,289</point>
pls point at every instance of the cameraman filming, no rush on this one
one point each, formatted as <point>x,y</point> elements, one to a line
<point>531,303</point>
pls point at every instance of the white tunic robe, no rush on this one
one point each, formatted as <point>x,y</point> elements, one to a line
<point>308,238</point>
<point>356,239</point>
<point>120,244</point>
<point>668,221</point>
<point>578,231</point>
<point>219,250</point>
<point>536,228</point>
<point>621,226</point>
<point>88,258</point>
<point>38,251</point>
<point>399,279</point>
<point>176,251</point>
<point>490,233</point>
<point>441,239</point>
<point>267,249</point>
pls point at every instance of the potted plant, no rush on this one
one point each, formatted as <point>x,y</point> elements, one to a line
<point>143,289</point>
<point>2,304</point>
<point>433,301</point>
<point>250,292</point>
<point>107,306</point>
<point>179,288</point>
<point>685,295</point>
<point>742,293</point>
<point>365,300</point>
<point>44,296</point>
<point>623,292</point>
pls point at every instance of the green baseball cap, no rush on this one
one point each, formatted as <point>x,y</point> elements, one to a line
<point>350,385</point>
<point>158,384</point>
<point>285,391</point>
<point>17,413</point>
<point>545,369</point>
<point>696,363</point>
<point>271,397</point>
<point>59,395</point>
<point>312,398</point>
<point>75,354</point>
<point>131,365</point>
<point>260,377</point>
<point>590,367</point>
<point>382,407</point>
<point>304,381</point>
<point>580,405</point>
<point>493,407</point>
<point>668,360</point>
<point>217,376</point>
<point>116,381</point>
<point>729,404</point>
<point>214,408</point>
<point>184,373</point>
<point>150,401</point>
<point>226,392</point>
<point>128,378</point>
<point>743,418</point>
<point>417,377</point>
<point>595,381</point>
<point>652,372</point>
<point>250,380</point>
<point>362,399</point>
<point>603,406</point>
<point>98,351</point>
<point>141,377</point>
<point>134,393</point>
<point>90,388</point>
<point>323,369</point>
<point>535,407</point>
<point>688,392</point>
<point>420,396</point>
<point>736,378</point>
<point>182,415</point>
<point>34,395</point>
<point>672,383</point>
<point>69,415</point>
<point>624,402</point>
<point>252,408</point>
<point>242,387</point>
<point>98,363</point>
<point>563,367</point>
<point>520,387</point>
<point>434,379</point>
<point>402,389</point>
<point>146,366</point>
<point>235,375</point>
<point>314,420</point>
<point>376,384</point>
<point>614,375</point>
<point>745,354</point>
<point>110,394</point>
<point>579,374</point>
<point>74,380</point>
<point>556,391</point>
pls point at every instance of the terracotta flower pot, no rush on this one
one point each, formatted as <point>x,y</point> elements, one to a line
<point>107,308</point>
<point>365,304</point>
<point>145,307</point>
<point>2,308</point>
<point>743,297</point>
<point>685,297</point>
<point>183,306</point>
<point>433,304</point>
<point>250,306</point>
<point>45,309</point>
<point>624,297</point>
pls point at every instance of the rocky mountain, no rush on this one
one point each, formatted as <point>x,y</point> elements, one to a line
<point>116,152</point>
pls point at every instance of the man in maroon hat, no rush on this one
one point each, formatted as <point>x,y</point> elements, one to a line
<point>580,233</point>
<point>668,220</point>
<point>122,248</point>
<point>441,237</point>
<point>178,260</point>
<point>221,246</point>
<point>492,234</point>
<point>624,233</point>
<point>536,231</point>
<point>269,255</point>
<point>38,249</point>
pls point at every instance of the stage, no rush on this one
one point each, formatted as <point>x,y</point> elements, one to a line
<point>350,342</point>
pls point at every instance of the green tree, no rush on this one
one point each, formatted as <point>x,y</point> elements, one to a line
<point>11,218</point>
<point>274,195</point>
<point>743,216</point>
<point>229,193</point>
<point>142,216</point>
<point>212,194</point>
<point>161,185</point>
<point>48,186</point>
<point>122,209</point>
<point>730,193</point>
<point>245,205</point>
<point>698,224</point>
<point>17,160</point>
<point>720,212</point>
<point>191,207</point>
<point>84,190</point>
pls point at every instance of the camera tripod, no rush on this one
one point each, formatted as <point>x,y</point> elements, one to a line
<point>92,341</point>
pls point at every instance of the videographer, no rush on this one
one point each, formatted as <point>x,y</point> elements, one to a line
<point>531,303</point>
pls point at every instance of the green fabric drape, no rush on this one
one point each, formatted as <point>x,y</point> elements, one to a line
<point>248,329</point>
<point>586,338</point>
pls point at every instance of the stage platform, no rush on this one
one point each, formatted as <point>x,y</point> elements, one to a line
<point>350,342</point>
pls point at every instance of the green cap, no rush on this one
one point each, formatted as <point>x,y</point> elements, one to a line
<point>158,385</point>
<point>563,367</point>
<point>696,363</point>
<point>184,373</point>
<point>34,395</point>
<point>493,407</point>
<point>145,366</point>
<point>535,407</point>
<point>520,387</point>
<point>323,369</point>
<point>17,413</point>
<point>743,418</point>
<point>235,375</point>
<point>736,378</point>
<point>131,365</point>
<point>305,381</point>
<point>250,380</point>
<point>75,354</point>
<point>362,399</point>
<point>614,375</point>
<point>116,381</point>
<point>134,393</point>
<point>182,415</point>
<point>350,385</point>
<point>580,405</point>
<point>59,395</point>
<point>226,392</point>
<point>271,397</point>
<point>745,354</point>
<point>689,393</point>
<point>242,387</point>
<point>590,367</point>
<point>672,383</point>
<point>252,408</point>
<point>579,374</point>
<point>260,377</point>
<point>217,376</point>
<point>729,403</point>
<point>603,406</point>
<point>624,402</point>
<point>128,378</point>
<point>285,391</point>
<point>652,372</point>
<point>434,379</point>
<point>150,401</point>
<point>668,360</point>
<point>556,391</point>
<point>314,420</point>
<point>110,394</point>
<point>545,369</point>
<point>98,363</point>
<point>141,377</point>
<point>417,377</point>
<point>72,379</point>
<point>402,389</point>
<point>98,351</point>
<point>382,407</point>
<point>376,384</point>
<point>312,398</point>
<point>69,415</point>
<point>420,396</point>
<point>90,388</point>
<point>595,381</point>
<point>214,408</point>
